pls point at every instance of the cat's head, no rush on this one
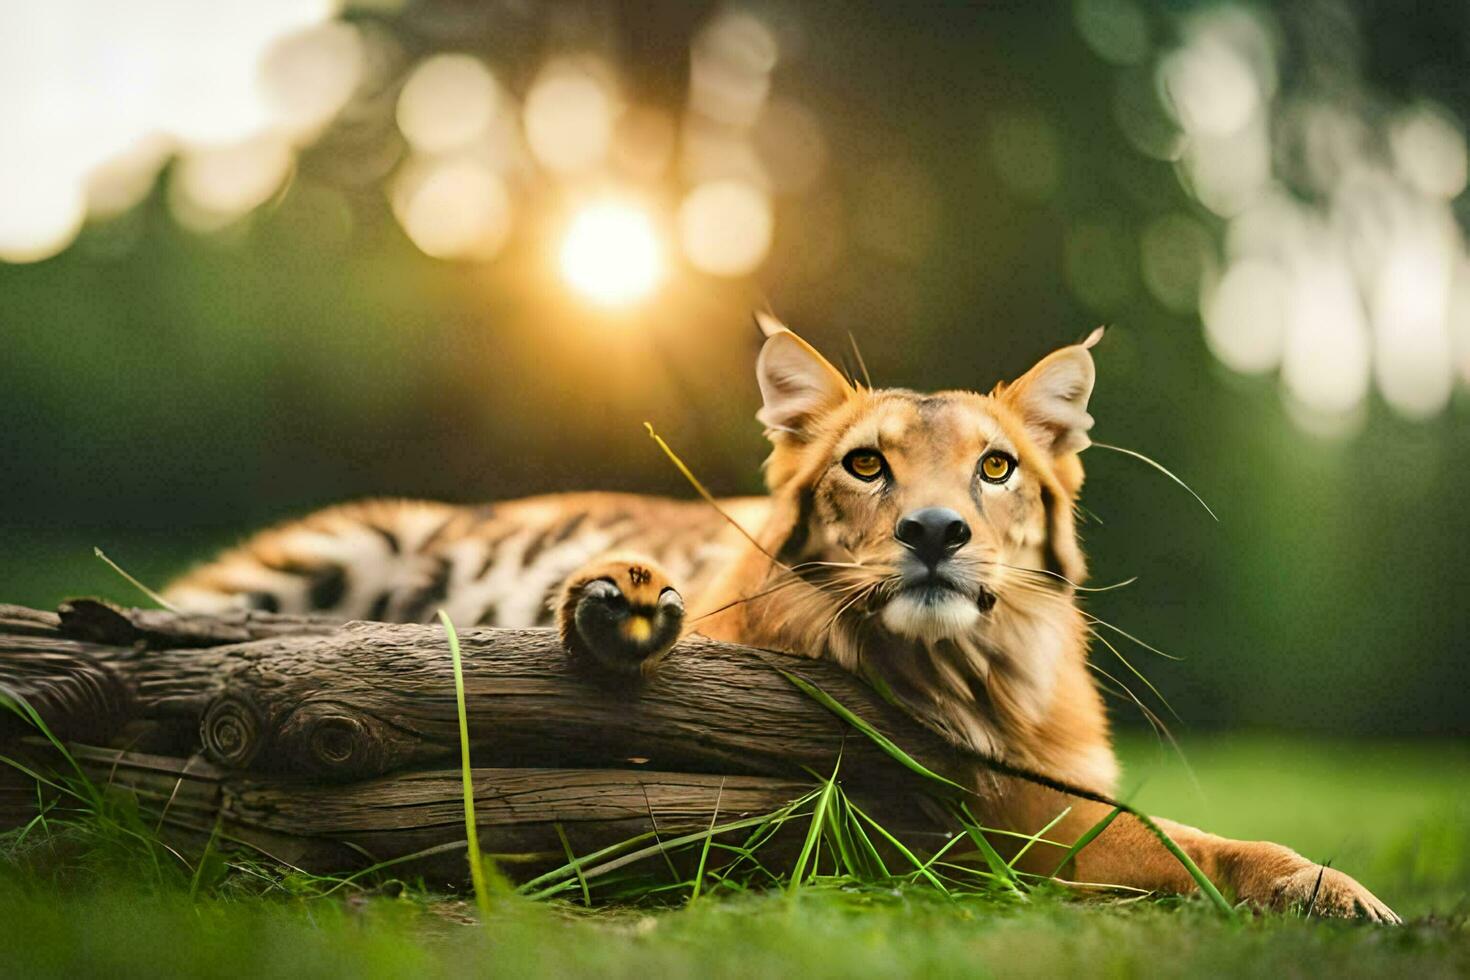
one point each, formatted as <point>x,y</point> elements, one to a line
<point>925,517</point>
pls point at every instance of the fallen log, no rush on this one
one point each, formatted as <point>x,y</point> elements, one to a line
<point>333,746</point>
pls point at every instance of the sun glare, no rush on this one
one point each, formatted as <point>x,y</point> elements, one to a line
<point>611,254</point>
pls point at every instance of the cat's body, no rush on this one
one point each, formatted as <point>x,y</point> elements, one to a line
<point>923,541</point>
<point>495,565</point>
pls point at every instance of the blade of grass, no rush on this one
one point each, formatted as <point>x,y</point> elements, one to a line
<point>198,875</point>
<point>1205,884</point>
<point>843,850</point>
<point>883,741</point>
<point>1037,836</point>
<point>709,498</point>
<point>1085,839</point>
<point>997,864</point>
<point>704,851</point>
<point>876,866</point>
<point>949,845</point>
<point>814,832</point>
<point>581,878</point>
<point>646,852</point>
<point>23,708</point>
<point>898,845</point>
<point>1200,879</point>
<point>478,878</point>
<point>162,602</point>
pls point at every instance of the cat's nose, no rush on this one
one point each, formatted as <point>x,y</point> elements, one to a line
<point>932,533</point>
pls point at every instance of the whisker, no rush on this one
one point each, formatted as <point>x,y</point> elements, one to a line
<point>1058,576</point>
<point>1162,469</point>
<point>1127,635</point>
<point>829,564</point>
<point>786,584</point>
<point>838,589</point>
<point>1161,730</point>
<point>1136,673</point>
<point>1155,722</point>
<point>862,364</point>
<point>856,597</point>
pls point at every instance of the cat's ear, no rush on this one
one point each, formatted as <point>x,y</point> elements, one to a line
<point>1052,397</point>
<point>798,385</point>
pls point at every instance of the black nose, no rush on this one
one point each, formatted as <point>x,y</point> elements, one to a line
<point>932,533</point>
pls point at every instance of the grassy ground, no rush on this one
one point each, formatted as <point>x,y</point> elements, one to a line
<point>1396,815</point>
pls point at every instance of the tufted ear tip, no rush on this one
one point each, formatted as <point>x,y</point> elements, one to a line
<point>768,324</point>
<point>1093,338</point>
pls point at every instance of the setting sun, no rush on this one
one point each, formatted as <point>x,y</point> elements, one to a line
<point>611,254</point>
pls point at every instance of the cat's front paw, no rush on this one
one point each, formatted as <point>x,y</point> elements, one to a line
<point>621,613</point>
<point>1327,894</point>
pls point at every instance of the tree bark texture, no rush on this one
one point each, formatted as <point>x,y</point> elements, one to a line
<point>332,746</point>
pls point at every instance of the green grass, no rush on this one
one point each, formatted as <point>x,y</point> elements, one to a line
<point>1393,814</point>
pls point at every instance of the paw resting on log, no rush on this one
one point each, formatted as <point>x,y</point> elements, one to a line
<point>622,614</point>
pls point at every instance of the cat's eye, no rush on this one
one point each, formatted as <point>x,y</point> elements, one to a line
<point>997,467</point>
<point>865,464</point>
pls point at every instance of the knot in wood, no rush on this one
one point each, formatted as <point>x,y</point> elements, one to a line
<point>331,740</point>
<point>231,731</point>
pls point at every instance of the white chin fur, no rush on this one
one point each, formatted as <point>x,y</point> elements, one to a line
<point>923,618</point>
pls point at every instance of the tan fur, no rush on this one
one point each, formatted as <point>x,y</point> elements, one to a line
<point>997,662</point>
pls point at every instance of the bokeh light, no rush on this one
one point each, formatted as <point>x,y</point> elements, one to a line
<point>453,208</point>
<point>791,146</point>
<point>93,98</point>
<point>725,227</point>
<point>215,185</point>
<point>611,253</point>
<point>1177,254</point>
<point>730,68</point>
<point>448,102</point>
<point>1245,317</point>
<point>569,116</point>
<point>105,107</point>
<point>307,77</point>
<point>1343,263</point>
<point>1117,30</point>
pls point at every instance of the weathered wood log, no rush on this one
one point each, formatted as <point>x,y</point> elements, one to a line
<point>522,814</point>
<point>331,745</point>
<point>362,699</point>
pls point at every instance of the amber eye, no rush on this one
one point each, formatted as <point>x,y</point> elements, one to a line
<point>865,464</point>
<point>997,467</point>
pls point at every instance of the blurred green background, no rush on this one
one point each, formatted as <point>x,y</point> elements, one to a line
<point>982,200</point>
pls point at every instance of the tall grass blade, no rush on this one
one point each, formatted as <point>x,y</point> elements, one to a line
<point>1039,835</point>
<point>1205,884</point>
<point>814,832</point>
<point>162,602</point>
<point>709,498</point>
<point>1087,838</point>
<point>919,866</point>
<point>704,850</point>
<point>883,741</point>
<point>997,864</point>
<point>478,877</point>
<point>571,857</point>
